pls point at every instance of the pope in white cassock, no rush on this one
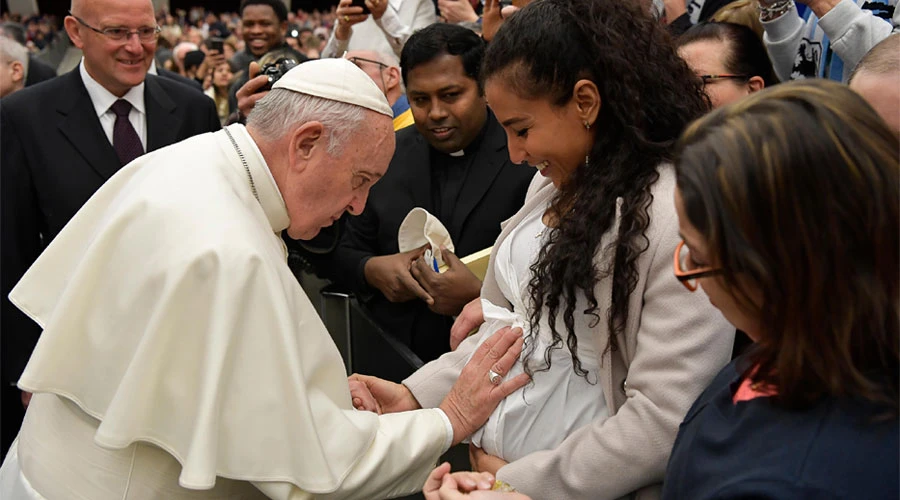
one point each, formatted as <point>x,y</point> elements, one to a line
<point>181,359</point>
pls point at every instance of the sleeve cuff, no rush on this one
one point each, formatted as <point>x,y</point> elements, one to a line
<point>448,439</point>
<point>783,26</point>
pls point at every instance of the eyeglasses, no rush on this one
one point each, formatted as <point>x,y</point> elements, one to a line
<point>356,60</point>
<point>707,79</point>
<point>688,277</point>
<point>119,34</point>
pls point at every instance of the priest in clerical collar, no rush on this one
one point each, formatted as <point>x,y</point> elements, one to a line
<point>455,165</point>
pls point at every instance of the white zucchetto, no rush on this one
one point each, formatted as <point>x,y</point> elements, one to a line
<point>338,80</point>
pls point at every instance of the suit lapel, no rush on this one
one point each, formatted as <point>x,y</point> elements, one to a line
<point>80,125</point>
<point>482,172</point>
<point>162,121</point>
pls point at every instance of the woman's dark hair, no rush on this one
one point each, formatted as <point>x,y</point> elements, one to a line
<point>745,55</point>
<point>648,95</point>
<point>277,5</point>
<point>438,39</point>
<point>794,190</point>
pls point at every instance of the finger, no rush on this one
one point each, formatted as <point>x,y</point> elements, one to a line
<point>252,86</point>
<point>253,70</point>
<point>509,358</point>
<point>433,483</point>
<point>512,385</point>
<point>492,349</point>
<point>413,286</point>
<point>450,258</point>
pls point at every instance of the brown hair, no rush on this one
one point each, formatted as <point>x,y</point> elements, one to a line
<point>795,191</point>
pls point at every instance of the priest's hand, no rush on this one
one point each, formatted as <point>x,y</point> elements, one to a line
<point>477,391</point>
<point>451,289</point>
<point>391,275</point>
<point>466,323</point>
<point>380,396</point>
<point>249,93</point>
<point>481,461</point>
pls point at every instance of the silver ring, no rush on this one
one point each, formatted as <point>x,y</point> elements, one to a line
<point>495,377</point>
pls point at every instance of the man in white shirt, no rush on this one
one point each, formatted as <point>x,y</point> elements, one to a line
<point>181,359</point>
<point>386,29</point>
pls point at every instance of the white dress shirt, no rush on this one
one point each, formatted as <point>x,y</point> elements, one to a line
<point>103,99</point>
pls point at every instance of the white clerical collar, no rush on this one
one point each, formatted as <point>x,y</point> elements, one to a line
<point>103,99</point>
<point>266,189</point>
<point>459,153</point>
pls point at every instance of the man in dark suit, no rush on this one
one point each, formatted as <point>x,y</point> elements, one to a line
<point>454,163</point>
<point>62,139</point>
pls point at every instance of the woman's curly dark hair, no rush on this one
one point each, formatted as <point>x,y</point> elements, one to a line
<point>648,95</point>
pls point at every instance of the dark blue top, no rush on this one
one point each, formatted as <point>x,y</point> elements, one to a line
<point>754,449</point>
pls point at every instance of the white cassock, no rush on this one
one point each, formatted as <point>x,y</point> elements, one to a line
<point>181,359</point>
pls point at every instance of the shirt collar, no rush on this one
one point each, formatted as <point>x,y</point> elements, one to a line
<point>269,196</point>
<point>103,99</point>
<point>152,70</point>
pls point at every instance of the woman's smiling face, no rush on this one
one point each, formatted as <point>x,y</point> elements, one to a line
<point>553,139</point>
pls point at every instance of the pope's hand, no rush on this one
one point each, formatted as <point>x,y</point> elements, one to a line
<point>391,275</point>
<point>249,93</point>
<point>451,289</point>
<point>475,395</point>
<point>380,396</point>
<point>468,320</point>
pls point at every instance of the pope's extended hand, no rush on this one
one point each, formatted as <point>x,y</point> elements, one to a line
<point>476,393</point>
<point>380,396</point>
<point>391,275</point>
<point>451,289</point>
<point>442,485</point>
<point>249,93</point>
<point>468,320</point>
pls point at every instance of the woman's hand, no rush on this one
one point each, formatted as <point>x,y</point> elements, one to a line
<point>380,396</point>
<point>482,462</point>
<point>468,320</point>
<point>457,11</point>
<point>477,392</point>
<point>442,485</point>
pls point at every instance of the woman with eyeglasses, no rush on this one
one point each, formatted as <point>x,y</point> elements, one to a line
<point>788,207</point>
<point>729,58</point>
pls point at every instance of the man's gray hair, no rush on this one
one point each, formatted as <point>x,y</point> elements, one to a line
<point>10,51</point>
<point>276,114</point>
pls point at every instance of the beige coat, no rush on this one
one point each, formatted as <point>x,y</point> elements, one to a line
<point>673,344</point>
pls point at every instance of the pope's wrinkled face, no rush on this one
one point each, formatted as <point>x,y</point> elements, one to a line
<point>116,65</point>
<point>331,185</point>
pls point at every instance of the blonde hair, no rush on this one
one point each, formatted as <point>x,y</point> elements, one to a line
<point>744,12</point>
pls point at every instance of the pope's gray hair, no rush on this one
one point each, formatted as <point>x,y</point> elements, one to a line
<point>276,115</point>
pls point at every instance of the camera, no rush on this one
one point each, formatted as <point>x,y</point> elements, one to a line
<point>276,69</point>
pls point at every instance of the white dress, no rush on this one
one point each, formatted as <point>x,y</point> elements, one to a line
<point>558,401</point>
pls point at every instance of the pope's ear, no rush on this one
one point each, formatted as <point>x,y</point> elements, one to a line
<point>304,141</point>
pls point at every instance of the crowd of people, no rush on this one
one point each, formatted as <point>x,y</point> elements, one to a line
<point>691,211</point>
